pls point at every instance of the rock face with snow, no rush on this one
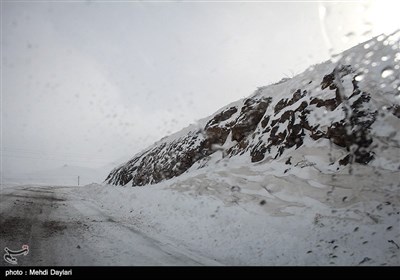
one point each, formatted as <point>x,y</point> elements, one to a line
<point>352,101</point>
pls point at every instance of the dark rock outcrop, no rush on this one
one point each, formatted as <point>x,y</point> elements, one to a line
<point>264,125</point>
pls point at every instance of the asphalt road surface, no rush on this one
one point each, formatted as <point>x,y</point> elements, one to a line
<point>62,228</point>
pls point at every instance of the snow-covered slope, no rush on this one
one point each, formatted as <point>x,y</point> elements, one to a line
<point>347,108</point>
<point>303,172</point>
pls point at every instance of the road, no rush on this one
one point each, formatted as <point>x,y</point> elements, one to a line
<point>62,228</point>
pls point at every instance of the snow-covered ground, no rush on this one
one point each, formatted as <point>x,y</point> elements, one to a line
<point>268,214</point>
<point>302,207</point>
<point>271,213</point>
<point>62,227</point>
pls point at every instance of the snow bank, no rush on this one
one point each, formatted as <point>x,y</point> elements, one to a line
<point>268,215</point>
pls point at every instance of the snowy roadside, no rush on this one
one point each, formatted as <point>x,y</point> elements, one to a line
<point>262,215</point>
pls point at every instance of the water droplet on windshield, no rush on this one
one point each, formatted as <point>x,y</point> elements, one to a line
<point>380,38</point>
<point>384,58</point>
<point>359,77</point>
<point>369,54</point>
<point>388,71</point>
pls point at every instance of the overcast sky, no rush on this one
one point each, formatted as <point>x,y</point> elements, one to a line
<point>87,83</point>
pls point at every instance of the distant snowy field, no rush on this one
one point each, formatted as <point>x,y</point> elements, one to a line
<point>66,175</point>
<point>268,215</point>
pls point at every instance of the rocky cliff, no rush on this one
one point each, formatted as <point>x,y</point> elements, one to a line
<point>351,101</point>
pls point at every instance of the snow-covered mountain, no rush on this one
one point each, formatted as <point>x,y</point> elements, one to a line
<point>346,110</point>
<point>302,172</point>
